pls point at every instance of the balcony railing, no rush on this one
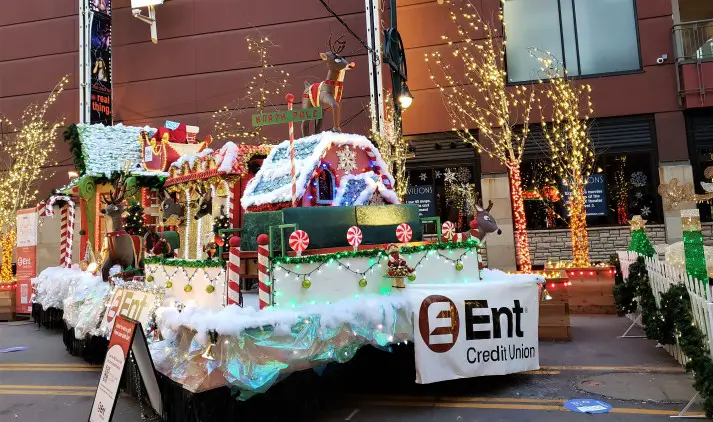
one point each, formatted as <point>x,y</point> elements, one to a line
<point>694,41</point>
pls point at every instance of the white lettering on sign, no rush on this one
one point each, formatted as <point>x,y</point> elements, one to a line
<point>148,153</point>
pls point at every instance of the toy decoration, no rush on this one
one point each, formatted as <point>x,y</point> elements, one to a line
<point>404,233</point>
<point>124,249</point>
<point>299,241</point>
<point>448,230</point>
<point>354,236</point>
<point>329,91</point>
<point>397,268</point>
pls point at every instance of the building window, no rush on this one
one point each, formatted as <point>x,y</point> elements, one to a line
<point>325,187</point>
<point>589,37</point>
<point>621,186</point>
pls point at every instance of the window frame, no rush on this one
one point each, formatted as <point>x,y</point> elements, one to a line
<point>576,41</point>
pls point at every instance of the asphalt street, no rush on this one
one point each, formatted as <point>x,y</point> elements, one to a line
<point>640,381</point>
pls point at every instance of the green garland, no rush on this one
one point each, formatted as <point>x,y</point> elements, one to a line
<point>188,263</point>
<point>674,320</point>
<point>624,291</point>
<point>309,259</point>
<point>71,136</point>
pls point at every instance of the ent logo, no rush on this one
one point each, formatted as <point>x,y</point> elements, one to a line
<point>438,323</point>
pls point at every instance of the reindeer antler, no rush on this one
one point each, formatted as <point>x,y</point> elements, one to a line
<point>337,46</point>
<point>490,206</point>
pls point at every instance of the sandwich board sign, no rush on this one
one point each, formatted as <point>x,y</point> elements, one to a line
<point>126,336</point>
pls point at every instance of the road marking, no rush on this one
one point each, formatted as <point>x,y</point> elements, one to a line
<point>51,365</point>
<point>541,372</point>
<point>45,393</point>
<point>58,369</point>
<point>663,369</point>
<point>515,406</point>
<point>47,387</point>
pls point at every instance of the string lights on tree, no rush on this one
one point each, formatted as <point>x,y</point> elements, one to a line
<point>26,152</point>
<point>473,85</point>
<point>232,121</point>
<point>570,147</point>
<point>392,146</point>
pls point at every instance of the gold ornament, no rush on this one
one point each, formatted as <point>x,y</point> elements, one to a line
<point>209,289</point>
<point>169,284</point>
<point>188,288</point>
<point>674,194</point>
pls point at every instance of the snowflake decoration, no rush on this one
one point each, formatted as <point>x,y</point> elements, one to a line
<point>377,199</point>
<point>347,160</point>
<point>449,176</point>
<point>638,179</point>
<point>463,174</point>
<point>639,195</point>
<point>438,174</point>
<point>423,177</point>
<point>645,210</point>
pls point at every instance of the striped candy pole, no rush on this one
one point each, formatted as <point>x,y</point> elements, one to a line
<point>290,99</point>
<point>234,272</point>
<point>66,235</point>
<point>263,269</point>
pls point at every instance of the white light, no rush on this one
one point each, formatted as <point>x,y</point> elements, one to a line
<point>145,3</point>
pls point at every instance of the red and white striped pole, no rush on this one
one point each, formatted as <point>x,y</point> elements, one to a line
<point>291,127</point>
<point>234,271</point>
<point>263,271</point>
<point>66,234</point>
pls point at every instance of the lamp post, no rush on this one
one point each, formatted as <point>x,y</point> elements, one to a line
<point>395,57</point>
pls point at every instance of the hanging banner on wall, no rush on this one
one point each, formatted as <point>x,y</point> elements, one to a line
<point>596,195</point>
<point>474,330</point>
<point>95,61</point>
<point>25,258</point>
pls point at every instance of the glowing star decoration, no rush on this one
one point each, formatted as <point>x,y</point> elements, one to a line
<point>438,174</point>
<point>449,176</point>
<point>637,223</point>
<point>423,177</point>
<point>347,160</point>
<point>645,211</point>
<point>463,174</point>
<point>299,241</point>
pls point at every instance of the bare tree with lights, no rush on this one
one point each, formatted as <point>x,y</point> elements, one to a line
<point>26,152</point>
<point>393,147</point>
<point>570,147</point>
<point>473,84</point>
<point>232,121</point>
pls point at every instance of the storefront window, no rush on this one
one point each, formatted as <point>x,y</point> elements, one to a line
<point>445,192</point>
<point>621,186</point>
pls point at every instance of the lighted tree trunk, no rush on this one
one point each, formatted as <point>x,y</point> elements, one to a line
<point>8,246</point>
<point>522,245</point>
<point>578,226</point>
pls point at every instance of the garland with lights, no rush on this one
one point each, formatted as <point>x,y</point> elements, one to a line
<point>310,259</point>
<point>624,291</point>
<point>188,263</point>
<point>672,322</point>
<point>222,222</point>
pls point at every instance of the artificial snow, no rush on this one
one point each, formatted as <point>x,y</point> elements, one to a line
<point>373,183</point>
<point>107,149</point>
<point>191,158</point>
<point>279,170</point>
<point>55,284</point>
<point>232,320</point>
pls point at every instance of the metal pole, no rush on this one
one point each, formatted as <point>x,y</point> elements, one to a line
<point>395,76</point>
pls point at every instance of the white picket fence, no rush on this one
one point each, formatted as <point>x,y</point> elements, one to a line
<point>662,277</point>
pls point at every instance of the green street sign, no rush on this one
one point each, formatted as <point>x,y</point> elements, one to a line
<point>287,116</point>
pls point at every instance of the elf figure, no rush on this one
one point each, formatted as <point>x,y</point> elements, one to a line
<point>398,269</point>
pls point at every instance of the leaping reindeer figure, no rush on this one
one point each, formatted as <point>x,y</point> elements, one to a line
<point>328,93</point>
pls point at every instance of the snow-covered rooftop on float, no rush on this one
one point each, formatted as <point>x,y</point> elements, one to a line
<point>106,149</point>
<point>273,183</point>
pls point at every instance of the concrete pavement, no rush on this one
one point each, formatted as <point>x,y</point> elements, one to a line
<point>642,382</point>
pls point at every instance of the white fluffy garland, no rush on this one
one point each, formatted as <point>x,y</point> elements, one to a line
<point>107,148</point>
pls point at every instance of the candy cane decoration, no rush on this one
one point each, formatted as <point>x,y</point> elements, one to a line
<point>404,233</point>
<point>354,237</point>
<point>291,127</point>
<point>263,268</point>
<point>66,226</point>
<point>448,230</point>
<point>299,241</point>
<point>234,294</point>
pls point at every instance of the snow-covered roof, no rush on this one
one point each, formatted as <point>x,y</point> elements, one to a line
<point>106,149</point>
<point>273,183</point>
<point>358,189</point>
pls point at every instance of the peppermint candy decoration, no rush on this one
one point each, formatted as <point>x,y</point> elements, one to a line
<point>404,233</point>
<point>448,230</point>
<point>299,240</point>
<point>354,236</point>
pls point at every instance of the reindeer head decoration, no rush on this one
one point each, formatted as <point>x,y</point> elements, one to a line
<point>328,93</point>
<point>113,201</point>
<point>171,208</point>
<point>205,203</point>
<point>483,222</point>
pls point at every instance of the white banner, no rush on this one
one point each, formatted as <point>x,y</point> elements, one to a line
<point>473,330</point>
<point>132,304</point>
